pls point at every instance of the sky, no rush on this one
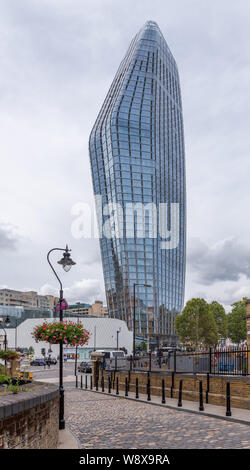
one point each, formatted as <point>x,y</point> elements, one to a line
<point>58,59</point>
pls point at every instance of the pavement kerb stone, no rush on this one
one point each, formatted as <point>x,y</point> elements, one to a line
<point>67,440</point>
<point>187,410</point>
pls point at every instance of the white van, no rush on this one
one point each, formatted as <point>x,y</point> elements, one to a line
<point>114,359</point>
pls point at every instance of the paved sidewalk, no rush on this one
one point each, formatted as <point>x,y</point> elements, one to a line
<point>55,380</point>
<point>237,414</point>
<point>104,421</point>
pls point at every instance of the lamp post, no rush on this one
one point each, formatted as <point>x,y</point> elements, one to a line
<point>5,340</point>
<point>136,284</point>
<point>78,314</point>
<point>117,338</point>
<point>66,263</point>
<point>15,333</point>
<point>8,323</point>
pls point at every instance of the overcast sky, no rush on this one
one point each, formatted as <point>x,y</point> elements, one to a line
<point>58,59</point>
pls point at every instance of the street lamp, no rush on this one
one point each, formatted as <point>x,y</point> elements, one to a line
<point>8,323</point>
<point>5,336</point>
<point>5,342</point>
<point>78,315</point>
<point>136,284</point>
<point>66,263</point>
<point>117,338</point>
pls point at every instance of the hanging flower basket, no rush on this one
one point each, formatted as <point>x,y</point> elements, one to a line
<point>68,332</point>
<point>9,355</point>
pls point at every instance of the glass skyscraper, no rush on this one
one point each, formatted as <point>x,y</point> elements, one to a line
<point>138,162</point>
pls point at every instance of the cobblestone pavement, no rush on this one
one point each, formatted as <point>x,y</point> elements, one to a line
<point>103,422</point>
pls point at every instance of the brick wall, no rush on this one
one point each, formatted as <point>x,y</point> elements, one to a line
<point>240,386</point>
<point>29,420</point>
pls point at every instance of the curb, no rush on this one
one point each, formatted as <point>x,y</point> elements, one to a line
<point>67,440</point>
<point>76,438</point>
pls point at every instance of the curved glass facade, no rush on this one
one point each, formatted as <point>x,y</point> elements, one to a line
<point>137,157</point>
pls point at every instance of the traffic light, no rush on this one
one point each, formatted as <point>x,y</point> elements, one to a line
<point>43,351</point>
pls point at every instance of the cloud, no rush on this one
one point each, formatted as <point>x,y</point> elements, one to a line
<point>8,237</point>
<point>85,290</point>
<point>227,260</point>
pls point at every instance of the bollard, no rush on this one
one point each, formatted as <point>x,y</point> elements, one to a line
<point>81,381</point>
<point>208,387</point>
<point>136,388</point>
<point>201,407</point>
<point>96,383</point>
<point>172,386</point>
<point>163,399</point>
<point>91,383</point>
<point>109,389</point>
<point>86,382</point>
<point>180,394</point>
<point>228,412</point>
<point>117,385</point>
<point>126,387</point>
<point>76,381</point>
<point>148,390</point>
<point>128,380</point>
<point>102,384</point>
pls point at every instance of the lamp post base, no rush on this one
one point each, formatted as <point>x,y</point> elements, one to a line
<point>61,424</point>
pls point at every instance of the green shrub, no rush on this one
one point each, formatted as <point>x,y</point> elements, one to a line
<point>3,378</point>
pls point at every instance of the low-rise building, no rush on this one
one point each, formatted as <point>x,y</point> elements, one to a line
<point>12,298</point>
<point>103,335</point>
<point>79,308</point>
<point>99,310</point>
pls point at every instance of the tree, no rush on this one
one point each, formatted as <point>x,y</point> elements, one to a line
<point>31,350</point>
<point>220,318</point>
<point>143,346</point>
<point>237,328</point>
<point>196,325</point>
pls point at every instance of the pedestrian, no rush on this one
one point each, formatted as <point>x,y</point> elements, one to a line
<point>49,361</point>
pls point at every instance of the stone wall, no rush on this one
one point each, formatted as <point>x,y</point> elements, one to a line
<point>240,386</point>
<point>29,420</point>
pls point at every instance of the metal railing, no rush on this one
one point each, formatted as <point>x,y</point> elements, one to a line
<point>212,361</point>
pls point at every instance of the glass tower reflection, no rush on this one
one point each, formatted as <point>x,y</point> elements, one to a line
<point>137,156</point>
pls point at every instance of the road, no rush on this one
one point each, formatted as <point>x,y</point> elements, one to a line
<point>51,374</point>
<point>107,422</point>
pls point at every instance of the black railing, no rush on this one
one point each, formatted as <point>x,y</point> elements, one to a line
<point>212,361</point>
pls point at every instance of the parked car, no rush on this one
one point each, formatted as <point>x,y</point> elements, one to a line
<point>51,360</point>
<point>85,367</point>
<point>38,362</point>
